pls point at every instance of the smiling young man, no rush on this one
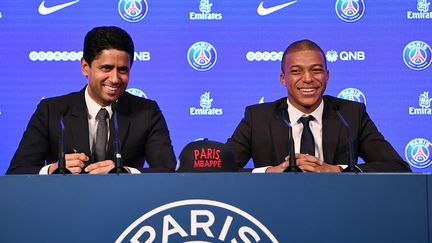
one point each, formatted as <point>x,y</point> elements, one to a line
<point>88,118</point>
<point>319,134</point>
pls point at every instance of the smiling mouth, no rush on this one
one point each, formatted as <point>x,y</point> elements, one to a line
<point>307,90</point>
<point>111,88</point>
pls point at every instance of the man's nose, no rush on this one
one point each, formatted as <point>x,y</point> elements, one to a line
<point>115,76</point>
<point>307,77</point>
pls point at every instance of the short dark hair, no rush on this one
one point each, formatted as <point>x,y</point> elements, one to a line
<point>302,45</point>
<point>107,37</point>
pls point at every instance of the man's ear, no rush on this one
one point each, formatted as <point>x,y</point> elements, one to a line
<point>85,67</point>
<point>282,79</point>
<point>328,76</point>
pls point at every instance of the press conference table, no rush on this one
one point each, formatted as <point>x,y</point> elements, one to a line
<point>217,207</point>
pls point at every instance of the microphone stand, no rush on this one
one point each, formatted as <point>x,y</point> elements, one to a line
<point>61,156</point>
<point>352,163</point>
<point>118,163</point>
<point>292,167</point>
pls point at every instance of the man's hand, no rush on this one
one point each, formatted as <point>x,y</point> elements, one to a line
<point>309,163</point>
<point>306,163</point>
<point>74,163</point>
<point>102,167</point>
<point>279,168</point>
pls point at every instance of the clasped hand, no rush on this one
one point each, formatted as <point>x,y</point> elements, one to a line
<point>76,162</point>
<point>306,163</point>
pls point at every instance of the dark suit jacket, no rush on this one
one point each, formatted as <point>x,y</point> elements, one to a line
<point>263,136</point>
<point>143,134</point>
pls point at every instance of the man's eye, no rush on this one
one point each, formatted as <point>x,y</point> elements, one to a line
<point>123,70</point>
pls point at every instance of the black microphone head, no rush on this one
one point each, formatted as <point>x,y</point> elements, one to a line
<point>333,105</point>
<point>341,117</point>
<point>336,107</point>
<point>114,106</point>
<point>351,161</point>
<point>284,106</point>
<point>64,108</point>
<point>284,114</point>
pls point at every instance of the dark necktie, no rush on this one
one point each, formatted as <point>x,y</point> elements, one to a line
<point>101,135</point>
<point>307,145</point>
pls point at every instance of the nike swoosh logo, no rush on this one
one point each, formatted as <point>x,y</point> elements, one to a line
<point>266,11</point>
<point>49,10</point>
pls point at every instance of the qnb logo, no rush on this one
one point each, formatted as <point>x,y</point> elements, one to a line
<point>417,153</point>
<point>424,105</point>
<point>196,220</point>
<point>417,55</point>
<point>353,95</point>
<point>202,56</point>
<point>142,56</point>
<point>350,10</point>
<point>57,56</point>
<point>206,109</point>
<point>264,56</point>
<point>333,56</point>
<point>133,10</point>
<point>136,92</point>
<point>205,12</point>
<point>422,11</point>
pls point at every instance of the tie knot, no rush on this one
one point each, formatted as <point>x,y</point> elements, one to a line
<point>102,114</point>
<point>305,120</point>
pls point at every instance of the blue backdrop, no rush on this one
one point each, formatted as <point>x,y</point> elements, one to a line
<point>203,61</point>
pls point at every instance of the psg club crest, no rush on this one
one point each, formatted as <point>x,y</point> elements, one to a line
<point>417,55</point>
<point>132,10</point>
<point>350,10</point>
<point>417,153</point>
<point>202,56</point>
<point>353,95</point>
<point>136,92</point>
<point>197,220</point>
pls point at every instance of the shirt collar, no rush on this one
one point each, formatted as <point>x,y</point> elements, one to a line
<point>295,113</point>
<point>93,107</point>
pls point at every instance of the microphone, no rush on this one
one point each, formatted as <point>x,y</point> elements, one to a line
<point>61,155</point>
<point>352,163</point>
<point>292,167</point>
<point>118,163</point>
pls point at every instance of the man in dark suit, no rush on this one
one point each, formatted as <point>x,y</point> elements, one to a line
<point>319,135</point>
<point>88,118</point>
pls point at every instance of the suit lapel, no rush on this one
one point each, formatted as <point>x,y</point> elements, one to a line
<point>123,123</point>
<point>77,122</point>
<point>279,132</point>
<point>330,135</point>
<point>110,148</point>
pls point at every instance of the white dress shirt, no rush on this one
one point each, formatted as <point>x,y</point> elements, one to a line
<point>297,129</point>
<point>92,109</point>
<point>315,126</point>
